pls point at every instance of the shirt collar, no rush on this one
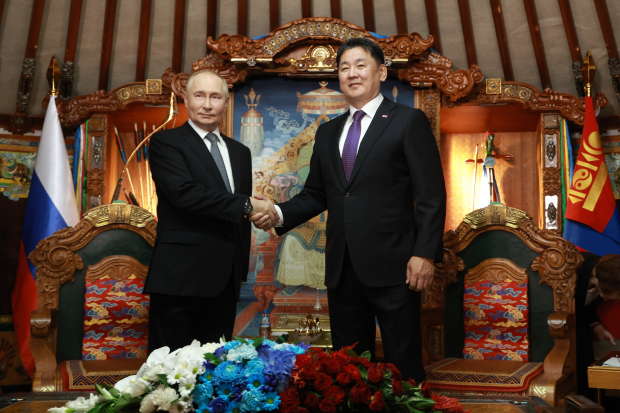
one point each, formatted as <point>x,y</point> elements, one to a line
<point>369,108</point>
<point>203,133</point>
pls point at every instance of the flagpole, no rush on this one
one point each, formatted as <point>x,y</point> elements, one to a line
<point>473,195</point>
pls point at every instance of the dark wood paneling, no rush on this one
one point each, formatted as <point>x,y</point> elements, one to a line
<point>211,18</point>
<point>72,31</point>
<point>106,44</point>
<point>433,22</point>
<point>35,28</point>
<point>179,28</point>
<point>539,49</point>
<point>401,16</point>
<point>335,6</point>
<point>143,39</point>
<point>274,14</point>
<point>369,15</point>
<point>468,32</point>
<point>502,41</point>
<point>608,31</point>
<point>569,28</point>
<point>242,17</point>
<point>306,8</point>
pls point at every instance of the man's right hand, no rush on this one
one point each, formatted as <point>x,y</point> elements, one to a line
<point>264,215</point>
<point>601,333</point>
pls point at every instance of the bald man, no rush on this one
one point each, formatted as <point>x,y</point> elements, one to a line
<point>204,186</point>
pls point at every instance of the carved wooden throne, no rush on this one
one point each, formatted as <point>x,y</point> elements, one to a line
<point>91,324</point>
<point>499,317</point>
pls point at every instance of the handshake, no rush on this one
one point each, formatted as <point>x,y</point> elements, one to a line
<point>264,214</point>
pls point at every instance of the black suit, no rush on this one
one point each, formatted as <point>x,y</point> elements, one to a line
<point>392,208</point>
<point>203,242</point>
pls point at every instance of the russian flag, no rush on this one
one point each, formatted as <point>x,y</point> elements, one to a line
<point>593,222</point>
<point>51,207</point>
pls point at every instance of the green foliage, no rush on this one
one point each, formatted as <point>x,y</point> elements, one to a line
<point>163,379</point>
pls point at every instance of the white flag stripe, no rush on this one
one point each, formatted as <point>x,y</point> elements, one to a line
<point>52,167</point>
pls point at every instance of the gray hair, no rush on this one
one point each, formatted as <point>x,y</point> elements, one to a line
<point>200,72</point>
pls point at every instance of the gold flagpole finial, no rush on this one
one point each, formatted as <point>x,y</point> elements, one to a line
<point>53,76</point>
<point>588,70</point>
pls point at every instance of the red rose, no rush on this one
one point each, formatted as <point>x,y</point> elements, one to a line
<point>375,374</point>
<point>327,406</point>
<point>446,404</point>
<point>344,377</point>
<point>322,381</point>
<point>302,410</point>
<point>331,365</point>
<point>353,371</point>
<point>366,363</point>
<point>308,372</point>
<point>311,401</point>
<point>397,387</point>
<point>335,393</point>
<point>289,400</point>
<point>360,393</point>
<point>395,372</point>
<point>425,389</point>
<point>377,402</point>
<point>342,356</point>
<point>301,360</point>
<point>412,382</point>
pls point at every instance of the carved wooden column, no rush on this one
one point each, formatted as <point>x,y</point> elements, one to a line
<point>551,163</point>
<point>429,100</point>
<point>95,176</point>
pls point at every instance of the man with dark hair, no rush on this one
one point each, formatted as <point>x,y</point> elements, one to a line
<point>377,170</point>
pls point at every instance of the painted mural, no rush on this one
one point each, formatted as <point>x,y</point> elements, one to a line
<point>277,119</point>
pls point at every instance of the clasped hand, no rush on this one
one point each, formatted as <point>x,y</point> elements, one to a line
<point>264,215</point>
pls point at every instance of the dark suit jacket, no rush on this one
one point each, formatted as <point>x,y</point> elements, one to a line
<point>202,237</point>
<point>392,208</point>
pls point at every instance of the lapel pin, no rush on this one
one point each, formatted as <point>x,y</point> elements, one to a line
<point>385,116</point>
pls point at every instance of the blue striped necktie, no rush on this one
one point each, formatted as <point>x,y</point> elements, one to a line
<point>217,157</point>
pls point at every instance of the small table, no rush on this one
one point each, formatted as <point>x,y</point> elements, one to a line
<point>600,377</point>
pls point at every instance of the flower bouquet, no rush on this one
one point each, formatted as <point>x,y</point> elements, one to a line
<point>249,376</point>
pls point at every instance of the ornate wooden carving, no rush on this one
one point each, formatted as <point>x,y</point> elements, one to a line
<point>240,48</point>
<point>117,267</point>
<point>558,261</point>
<point>56,260</point>
<point>445,274</point>
<point>496,270</point>
<point>95,183</point>
<point>434,68</point>
<point>569,106</point>
<point>552,181</point>
<point>429,100</point>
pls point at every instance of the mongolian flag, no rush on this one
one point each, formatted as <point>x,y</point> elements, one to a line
<point>51,207</point>
<point>593,222</point>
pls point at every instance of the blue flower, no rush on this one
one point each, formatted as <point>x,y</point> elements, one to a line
<point>231,344</point>
<point>220,353</point>
<point>255,366</point>
<point>272,401</point>
<point>252,401</point>
<point>202,409</point>
<point>224,390</point>
<point>233,407</point>
<point>207,376</point>
<point>241,353</point>
<point>255,381</point>
<point>218,405</point>
<point>228,372</point>
<point>203,393</point>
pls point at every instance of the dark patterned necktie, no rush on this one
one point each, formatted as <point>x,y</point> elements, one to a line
<point>349,152</point>
<point>217,157</point>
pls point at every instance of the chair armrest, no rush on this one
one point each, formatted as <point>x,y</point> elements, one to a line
<point>560,327</point>
<point>560,324</point>
<point>40,325</point>
<point>581,404</point>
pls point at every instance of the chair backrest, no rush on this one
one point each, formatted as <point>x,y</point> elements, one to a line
<point>498,248</point>
<point>101,313</point>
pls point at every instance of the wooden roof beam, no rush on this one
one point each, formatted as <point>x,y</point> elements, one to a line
<point>606,28</point>
<point>539,49</point>
<point>177,36</point>
<point>143,39</point>
<point>242,17</point>
<point>274,14</point>
<point>106,44</point>
<point>211,18</point>
<point>573,44</point>
<point>335,9</point>
<point>502,40</point>
<point>369,15</point>
<point>68,68</point>
<point>306,8</point>
<point>433,22</point>
<point>468,32</point>
<point>401,16</point>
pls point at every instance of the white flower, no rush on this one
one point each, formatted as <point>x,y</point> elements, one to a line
<point>151,374</point>
<point>156,357</point>
<point>210,347</point>
<point>57,410</point>
<point>163,397</point>
<point>243,352</point>
<point>147,405</point>
<point>125,385</point>
<point>106,394</point>
<point>140,387</point>
<point>186,385</point>
<point>81,405</point>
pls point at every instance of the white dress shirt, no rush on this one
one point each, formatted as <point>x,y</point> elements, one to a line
<point>223,150</point>
<point>370,109</point>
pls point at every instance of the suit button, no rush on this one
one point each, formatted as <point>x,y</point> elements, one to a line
<point>346,194</point>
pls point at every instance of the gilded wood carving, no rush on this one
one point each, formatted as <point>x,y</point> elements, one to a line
<point>445,274</point>
<point>496,270</point>
<point>569,106</point>
<point>117,267</point>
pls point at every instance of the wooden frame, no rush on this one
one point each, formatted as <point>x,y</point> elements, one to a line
<point>56,263</point>
<point>557,265</point>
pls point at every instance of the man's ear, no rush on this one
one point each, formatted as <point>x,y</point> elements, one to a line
<point>185,98</point>
<point>383,72</point>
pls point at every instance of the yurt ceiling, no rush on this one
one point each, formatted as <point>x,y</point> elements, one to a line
<point>538,46</point>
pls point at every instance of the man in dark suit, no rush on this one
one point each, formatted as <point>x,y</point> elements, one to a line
<point>377,170</point>
<point>204,183</point>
